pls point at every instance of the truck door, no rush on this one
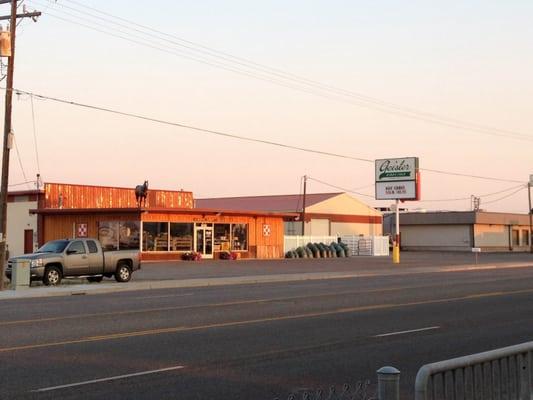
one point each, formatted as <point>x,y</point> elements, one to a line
<point>76,259</point>
<point>96,259</point>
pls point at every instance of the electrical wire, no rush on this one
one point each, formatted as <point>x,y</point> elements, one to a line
<point>35,137</point>
<point>367,101</point>
<point>504,197</point>
<point>213,52</point>
<point>339,187</point>
<point>469,198</point>
<point>20,159</point>
<point>521,186</point>
<point>239,137</point>
<point>21,183</point>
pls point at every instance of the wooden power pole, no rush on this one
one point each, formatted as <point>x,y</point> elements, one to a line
<point>303,206</point>
<point>8,133</point>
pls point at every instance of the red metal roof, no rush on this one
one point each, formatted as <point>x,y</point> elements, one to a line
<point>280,203</point>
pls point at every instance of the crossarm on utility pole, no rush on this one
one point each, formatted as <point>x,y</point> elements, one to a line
<point>25,15</point>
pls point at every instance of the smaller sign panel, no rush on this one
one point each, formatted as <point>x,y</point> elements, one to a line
<point>266,230</point>
<point>476,249</point>
<point>81,230</point>
<point>396,190</point>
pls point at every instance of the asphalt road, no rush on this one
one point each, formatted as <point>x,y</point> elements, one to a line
<point>257,341</point>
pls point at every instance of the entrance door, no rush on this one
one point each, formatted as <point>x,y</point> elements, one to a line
<point>28,241</point>
<point>203,240</point>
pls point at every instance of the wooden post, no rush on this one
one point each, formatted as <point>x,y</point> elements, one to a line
<point>7,143</point>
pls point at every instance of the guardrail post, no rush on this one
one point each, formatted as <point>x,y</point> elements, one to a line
<point>388,383</point>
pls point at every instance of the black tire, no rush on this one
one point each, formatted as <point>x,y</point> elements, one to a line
<point>52,276</point>
<point>95,278</point>
<point>123,272</point>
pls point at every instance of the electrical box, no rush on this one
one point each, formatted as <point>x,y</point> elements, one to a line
<point>20,275</point>
<point>5,44</point>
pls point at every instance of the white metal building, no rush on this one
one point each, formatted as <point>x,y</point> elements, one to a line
<point>462,230</point>
<point>334,214</point>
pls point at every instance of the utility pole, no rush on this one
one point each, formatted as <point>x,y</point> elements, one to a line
<point>529,184</point>
<point>303,205</point>
<point>8,133</point>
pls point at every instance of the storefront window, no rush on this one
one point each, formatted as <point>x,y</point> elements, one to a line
<point>222,237</point>
<point>181,237</point>
<point>108,235</point>
<point>115,235</point>
<point>129,235</point>
<point>155,236</point>
<point>239,237</point>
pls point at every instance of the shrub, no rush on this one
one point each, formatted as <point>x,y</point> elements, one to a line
<point>314,250</point>
<point>301,252</point>
<point>226,255</point>
<point>191,256</point>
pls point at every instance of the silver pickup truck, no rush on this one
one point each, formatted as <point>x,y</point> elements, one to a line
<point>78,258</point>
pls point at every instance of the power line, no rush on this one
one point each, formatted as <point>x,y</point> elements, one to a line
<point>35,137</point>
<point>504,197</point>
<point>21,183</point>
<point>289,80</point>
<point>339,187</point>
<point>469,198</point>
<point>20,159</point>
<point>240,137</point>
<point>208,50</point>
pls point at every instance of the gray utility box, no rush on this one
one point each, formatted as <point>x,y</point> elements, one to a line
<point>20,276</point>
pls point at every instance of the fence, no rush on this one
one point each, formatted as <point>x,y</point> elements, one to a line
<point>504,373</point>
<point>367,246</point>
<point>293,242</point>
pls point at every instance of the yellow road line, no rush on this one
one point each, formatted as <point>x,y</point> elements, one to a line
<point>222,304</point>
<point>176,329</point>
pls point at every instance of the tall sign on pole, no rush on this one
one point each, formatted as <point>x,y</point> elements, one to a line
<point>529,185</point>
<point>397,179</point>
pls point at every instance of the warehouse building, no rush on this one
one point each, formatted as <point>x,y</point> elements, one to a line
<point>462,231</point>
<point>325,213</point>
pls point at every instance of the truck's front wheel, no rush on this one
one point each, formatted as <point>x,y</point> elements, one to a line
<point>123,273</point>
<point>52,276</point>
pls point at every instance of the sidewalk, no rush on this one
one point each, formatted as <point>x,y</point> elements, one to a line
<point>107,286</point>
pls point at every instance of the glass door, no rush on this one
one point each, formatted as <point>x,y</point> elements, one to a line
<point>203,240</point>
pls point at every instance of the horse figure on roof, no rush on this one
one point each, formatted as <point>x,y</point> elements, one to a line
<point>141,191</point>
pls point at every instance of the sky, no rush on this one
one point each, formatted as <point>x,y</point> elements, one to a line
<point>470,61</point>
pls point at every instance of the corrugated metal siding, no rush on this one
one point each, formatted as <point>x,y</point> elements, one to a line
<point>79,196</point>
<point>259,245</point>
<point>63,226</point>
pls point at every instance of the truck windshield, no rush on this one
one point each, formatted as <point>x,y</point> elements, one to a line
<point>55,246</point>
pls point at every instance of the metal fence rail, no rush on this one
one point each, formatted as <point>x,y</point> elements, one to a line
<point>505,374</point>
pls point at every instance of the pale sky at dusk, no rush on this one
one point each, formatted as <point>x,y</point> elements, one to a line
<point>470,61</point>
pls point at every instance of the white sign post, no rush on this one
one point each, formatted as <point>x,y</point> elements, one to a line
<point>397,179</point>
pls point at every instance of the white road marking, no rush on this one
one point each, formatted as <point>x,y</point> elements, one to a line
<point>112,378</point>
<point>165,295</point>
<point>429,328</point>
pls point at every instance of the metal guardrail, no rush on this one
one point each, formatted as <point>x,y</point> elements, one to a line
<point>505,373</point>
